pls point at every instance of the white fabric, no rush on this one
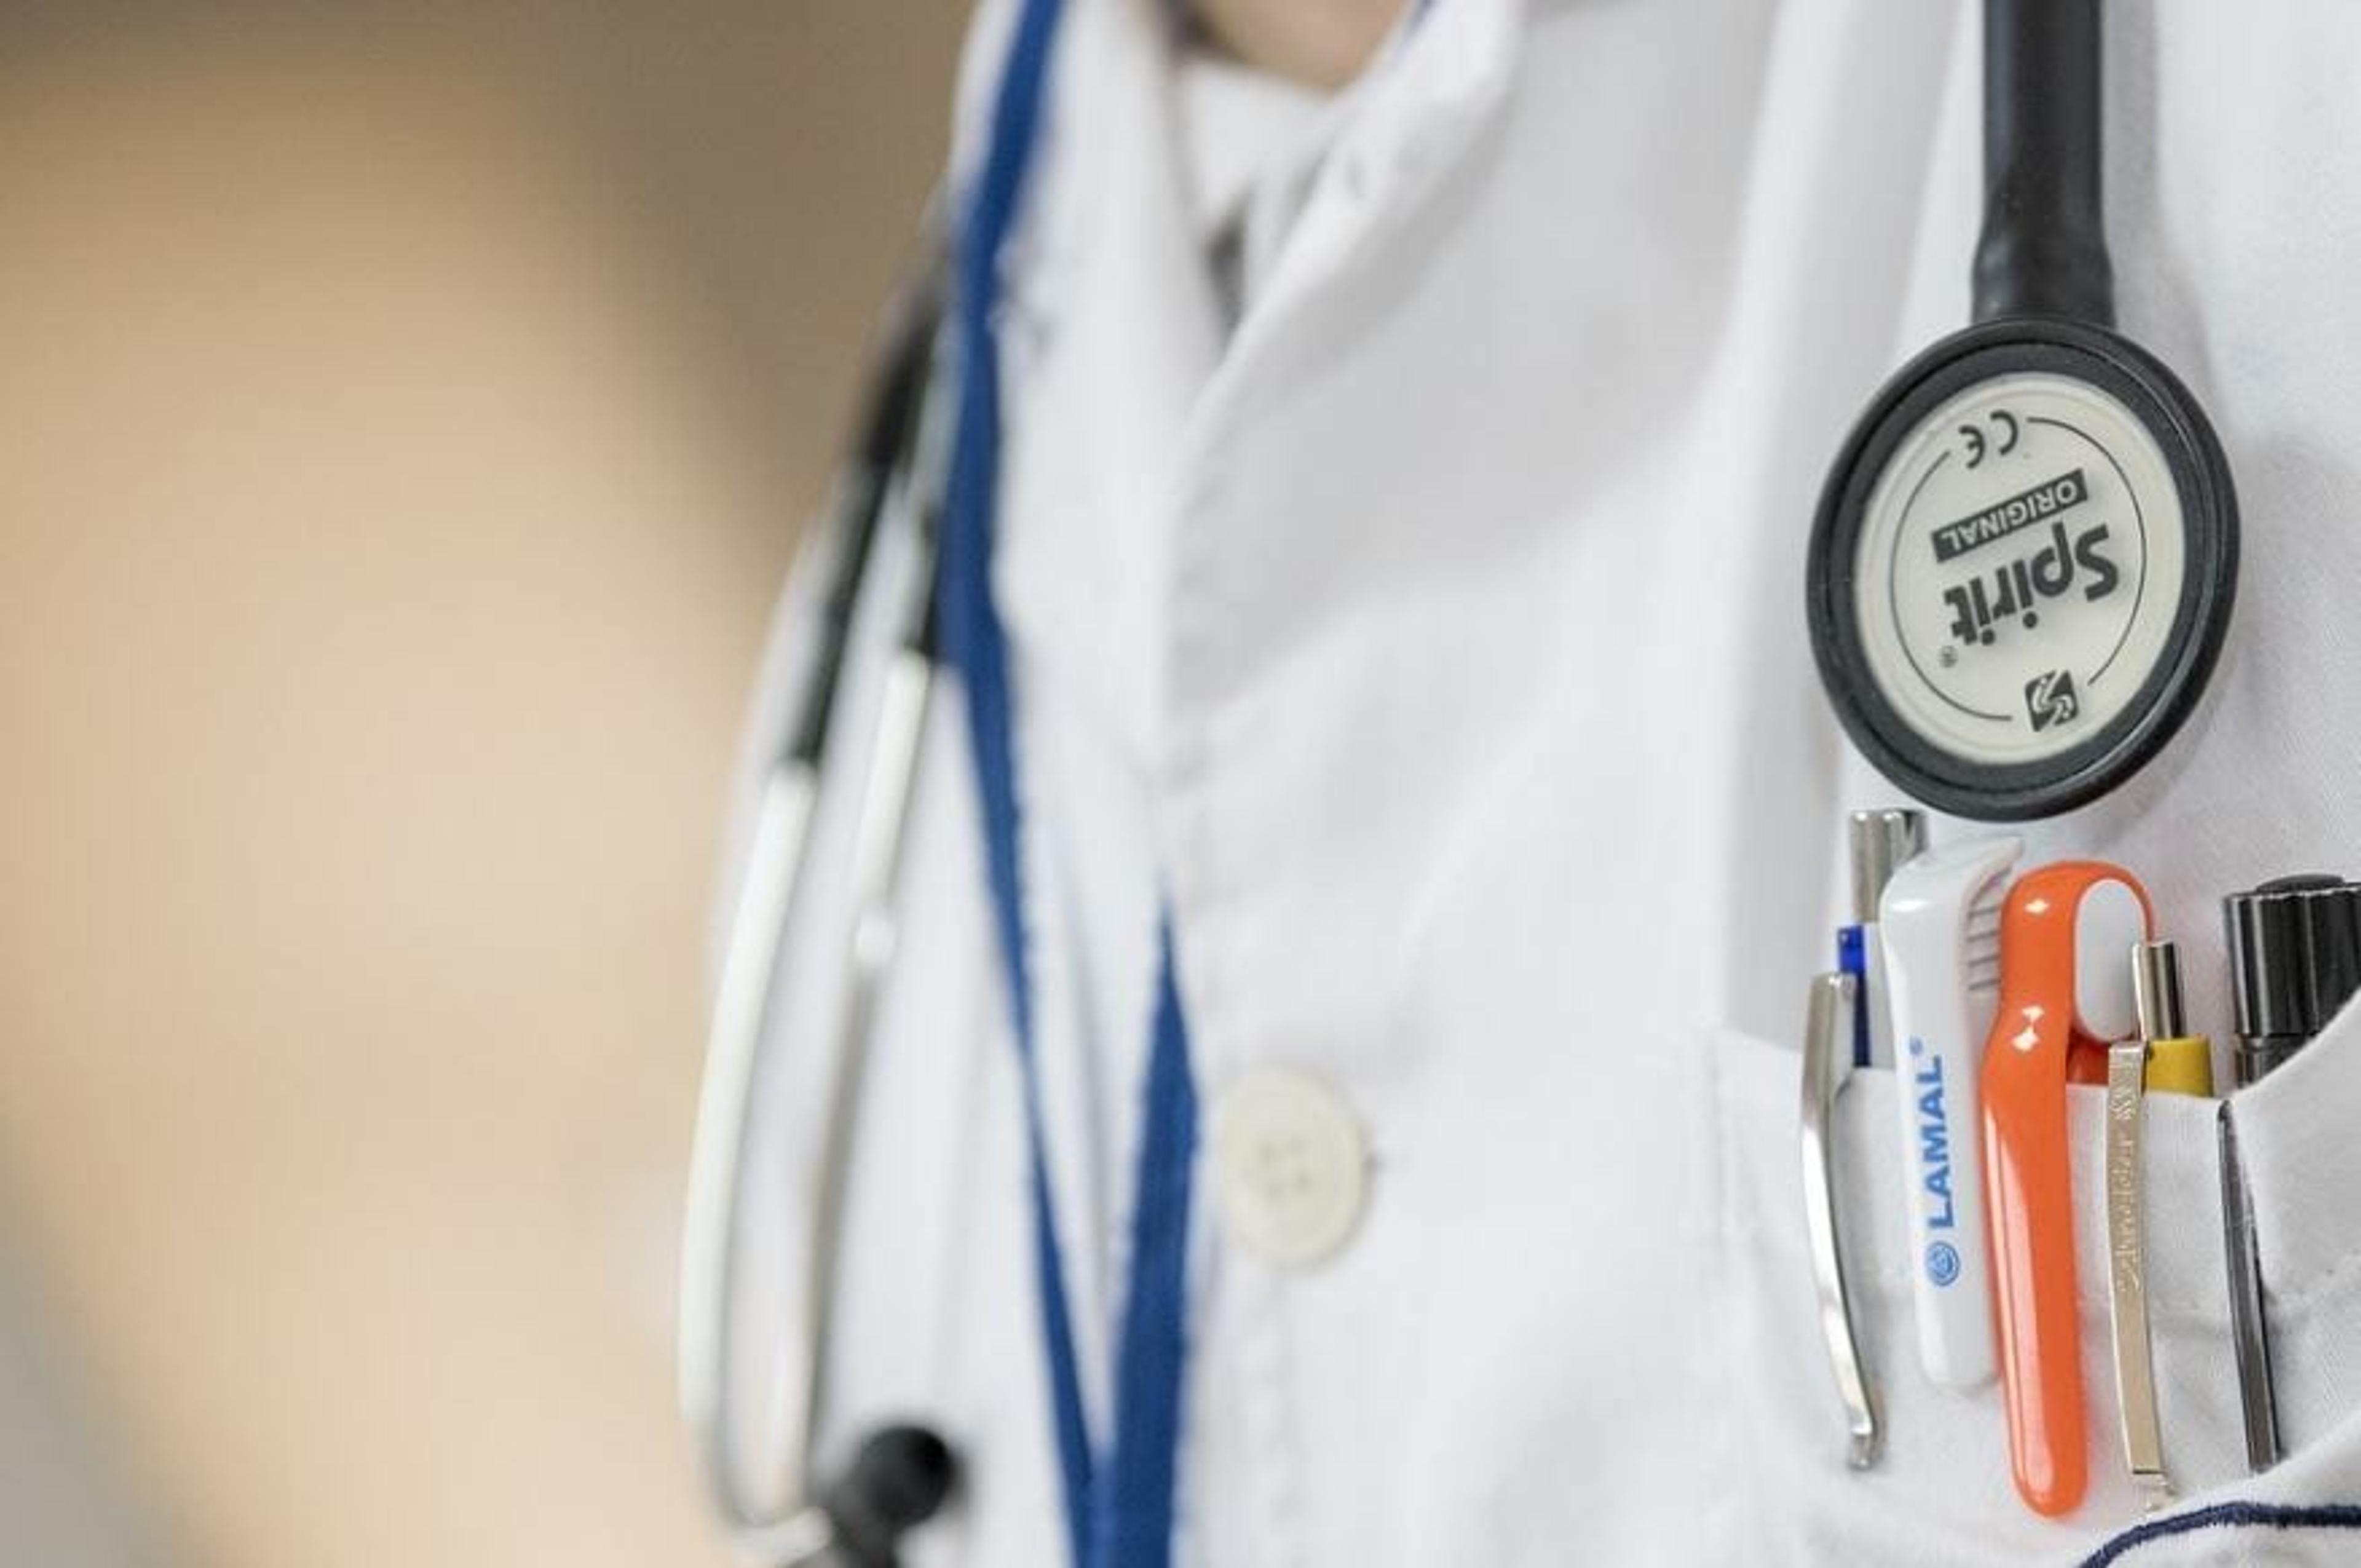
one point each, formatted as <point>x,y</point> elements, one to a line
<point>1434,645</point>
<point>1250,143</point>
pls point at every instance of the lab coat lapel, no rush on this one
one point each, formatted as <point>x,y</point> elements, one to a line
<point>1108,330</point>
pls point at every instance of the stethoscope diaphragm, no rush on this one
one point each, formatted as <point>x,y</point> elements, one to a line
<point>2022,568</point>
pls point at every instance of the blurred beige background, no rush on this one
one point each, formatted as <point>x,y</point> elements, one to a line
<point>405,417</point>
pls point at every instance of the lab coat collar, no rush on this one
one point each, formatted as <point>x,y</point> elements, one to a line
<point>1444,63</point>
<point>1108,301</point>
<point>1107,142</point>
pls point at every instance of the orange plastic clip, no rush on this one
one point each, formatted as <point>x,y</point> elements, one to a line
<point>2065,993</point>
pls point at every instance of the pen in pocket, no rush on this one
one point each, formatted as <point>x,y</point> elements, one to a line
<point>2065,995</point>
<point>1880,842</point>
<point>2295,959</point>
<point>2177,1061</point>
<point>1828,1046</point>
<point>2165,1057</point>
<point>1941,925</point>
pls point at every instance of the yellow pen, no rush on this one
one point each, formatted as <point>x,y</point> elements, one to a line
<point>2177,1061</point>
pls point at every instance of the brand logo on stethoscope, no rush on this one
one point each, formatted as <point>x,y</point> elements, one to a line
<point>2016,568</point>
<point>1935,1162</point>
<point>1953,539</point>
<point>1981,606</point>
<point>2049,699</point>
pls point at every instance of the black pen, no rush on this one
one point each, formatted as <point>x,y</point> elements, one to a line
<point>2295,958</point>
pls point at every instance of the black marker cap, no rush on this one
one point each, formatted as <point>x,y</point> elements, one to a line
<point>2295,958</point>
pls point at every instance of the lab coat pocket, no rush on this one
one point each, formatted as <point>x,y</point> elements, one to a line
<point>1940,1492</point>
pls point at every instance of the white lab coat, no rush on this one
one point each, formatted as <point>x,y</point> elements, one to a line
<point>1434,647</point>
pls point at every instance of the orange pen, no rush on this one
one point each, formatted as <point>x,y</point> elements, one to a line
<point>2065,994</point>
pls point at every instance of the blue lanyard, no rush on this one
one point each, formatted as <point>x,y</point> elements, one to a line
<point>1118,1512</point>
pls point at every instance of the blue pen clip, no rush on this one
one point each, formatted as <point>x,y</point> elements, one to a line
<point>1853,959</point>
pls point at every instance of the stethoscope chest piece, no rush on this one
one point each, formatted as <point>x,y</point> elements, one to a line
<point>2021,568</point>
<point>2022,564</point>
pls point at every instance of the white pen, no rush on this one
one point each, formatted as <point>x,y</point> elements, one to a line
<point>1940,926</point>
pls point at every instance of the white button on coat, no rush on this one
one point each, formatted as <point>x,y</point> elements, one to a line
<point>1290,1166</point>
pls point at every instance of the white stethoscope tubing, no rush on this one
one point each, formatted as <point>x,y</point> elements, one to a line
<point>891,485</point>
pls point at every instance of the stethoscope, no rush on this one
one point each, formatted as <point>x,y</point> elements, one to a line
<point>900,1474</point>
<point>2020,577</point>
<point>2024,560</point>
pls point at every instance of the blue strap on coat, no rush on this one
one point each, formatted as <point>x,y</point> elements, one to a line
<point>1118,1512</point>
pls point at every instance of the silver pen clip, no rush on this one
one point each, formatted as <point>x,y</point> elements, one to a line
<point>1827,1050</point>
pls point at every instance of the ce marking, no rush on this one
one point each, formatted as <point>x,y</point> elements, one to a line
<point>2004,423</point>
